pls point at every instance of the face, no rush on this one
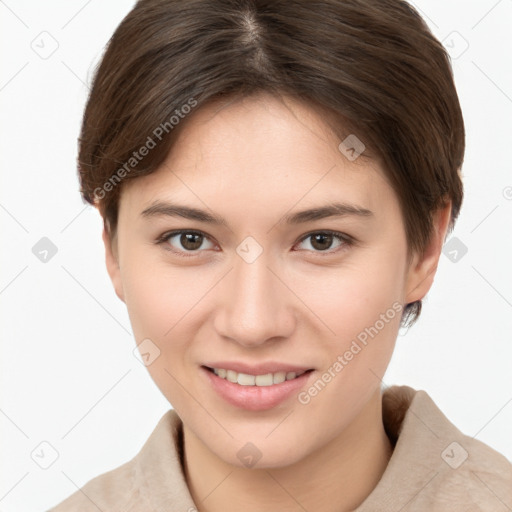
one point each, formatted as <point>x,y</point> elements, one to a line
<point>264,290</point>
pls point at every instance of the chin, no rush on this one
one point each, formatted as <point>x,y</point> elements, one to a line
<point>260,453</point>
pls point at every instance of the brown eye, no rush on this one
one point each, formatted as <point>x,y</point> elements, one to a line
<point>183,242</point>
<point>191,241</point>
<point>322,241</point>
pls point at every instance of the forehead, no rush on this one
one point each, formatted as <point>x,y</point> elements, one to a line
<point>260,150</point>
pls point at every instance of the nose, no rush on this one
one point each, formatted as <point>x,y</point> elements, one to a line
<point>255,306</point>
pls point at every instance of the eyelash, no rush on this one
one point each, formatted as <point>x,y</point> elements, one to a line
<point>347,240</point>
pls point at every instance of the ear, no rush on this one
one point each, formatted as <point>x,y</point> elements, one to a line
<point>112,262</point>
<point>422,269</point>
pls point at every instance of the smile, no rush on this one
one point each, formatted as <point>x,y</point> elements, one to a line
<point>245,379</point>
<point>255,392</point>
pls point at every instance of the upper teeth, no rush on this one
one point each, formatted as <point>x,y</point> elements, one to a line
<point>255,380</point>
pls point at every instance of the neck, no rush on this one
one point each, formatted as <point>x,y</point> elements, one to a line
<point>336,478</point>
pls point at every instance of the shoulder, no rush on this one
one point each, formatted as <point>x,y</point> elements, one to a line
<point>100,493</point>
<point>434,465</point>
<point>473,475</point>
<point>467,474</point>
<point>152,476</point>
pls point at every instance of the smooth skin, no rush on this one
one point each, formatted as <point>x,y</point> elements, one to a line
<point>302,301</point>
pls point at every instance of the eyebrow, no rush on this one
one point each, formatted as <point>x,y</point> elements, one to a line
<point>160,208</point>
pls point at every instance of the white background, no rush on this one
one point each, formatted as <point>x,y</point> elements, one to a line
<point>69,376</point>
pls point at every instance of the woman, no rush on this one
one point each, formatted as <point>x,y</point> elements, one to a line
<point>276,180</point>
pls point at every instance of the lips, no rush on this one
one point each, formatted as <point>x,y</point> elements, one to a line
<point>257,369</point>
<point>240,391</point>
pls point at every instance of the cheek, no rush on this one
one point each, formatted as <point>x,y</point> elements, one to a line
<point>146,296</point>
<point>163,302</point>
<point>362,308</point>
<point>352,297</point>
<point>160,305</point>
<point>147,302</point>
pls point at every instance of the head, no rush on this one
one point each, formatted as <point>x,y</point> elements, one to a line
<point>253,112</point>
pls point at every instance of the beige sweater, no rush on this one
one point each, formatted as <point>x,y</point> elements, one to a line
<point>434,467</point>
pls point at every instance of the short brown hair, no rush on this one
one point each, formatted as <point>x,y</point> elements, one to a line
<point>374,64</point>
